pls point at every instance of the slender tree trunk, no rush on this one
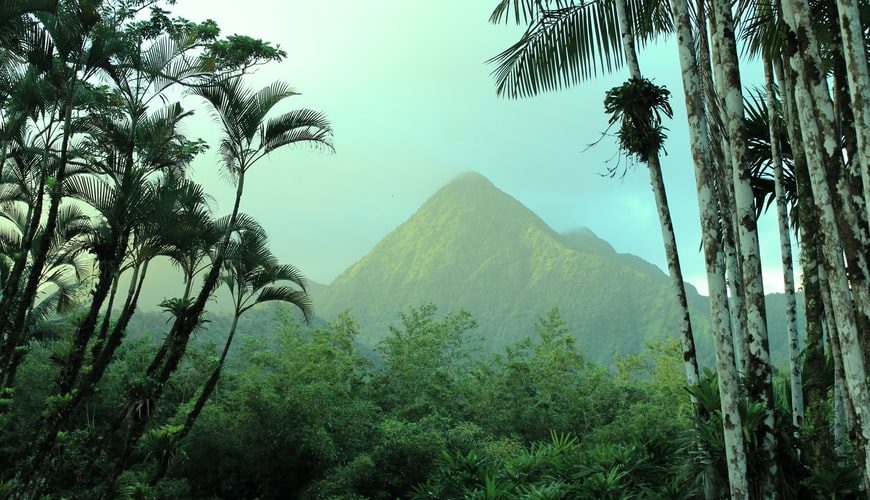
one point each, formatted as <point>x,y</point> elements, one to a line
<point>724,171</point>
<point>157,361</point>
<point>686,335</point>
<point>85,331</point>
<point>127,308</point>
<point>45,440</point>
<point>794,350</point>
<point>664,213</point>
<point>100,363</point>
<point>806,61</point>
<point>850,417</point>
<point>845,122</point>
<point>816,431</point>
<point>3,154</point>
<point>107,316</point>
<point>183,327</point>
<point>841,299</point>
<point>14,279</point>
<point>839,375</point>
<point>735,452</point>
<point>204,395</point>
<point>839,416</point>
<point>34,217</point>
<point>759,374</point>
<point>854,52</point>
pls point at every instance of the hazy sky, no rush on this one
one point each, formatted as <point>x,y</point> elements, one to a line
<point>413,104</point>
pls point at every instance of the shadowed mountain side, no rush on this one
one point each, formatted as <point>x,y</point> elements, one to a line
<point>472,246</point>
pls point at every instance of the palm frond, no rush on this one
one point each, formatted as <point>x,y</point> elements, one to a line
<point>566,45</point>
<point>297,298</point>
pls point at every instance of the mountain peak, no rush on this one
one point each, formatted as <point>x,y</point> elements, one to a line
<point>473,197</point>
<point>468,183</point>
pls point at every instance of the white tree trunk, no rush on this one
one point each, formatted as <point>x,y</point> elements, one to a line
<point>735,452</point>
<point>794,349</point>
<point>845,418</point>
<point>722,159</point>
<point>664,213</point>
<point>852,35</point>
<point>841,299</point>
<point>839,404</point>
<point>759,373</point>
<point>796,13</point>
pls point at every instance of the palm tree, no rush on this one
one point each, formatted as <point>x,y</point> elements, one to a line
<point>816,430</point>
<point>759,372</point>
<point>253,276</point>
<point>13,13</point>
<point>64,273</point>
<point>556,52</point>
<point>129,144</point>
<point>249,135</point>
<point>71,47</point>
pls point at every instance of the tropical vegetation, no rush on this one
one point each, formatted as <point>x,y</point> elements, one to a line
<point>809,120</point>
<point>95,187</point>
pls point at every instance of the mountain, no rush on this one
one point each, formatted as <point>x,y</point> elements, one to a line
<point>475,247</point>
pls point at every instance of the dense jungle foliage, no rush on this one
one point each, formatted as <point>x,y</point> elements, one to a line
<point>429,419</point>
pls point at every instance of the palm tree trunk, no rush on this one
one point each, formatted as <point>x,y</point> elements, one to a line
<point>107,316</point>
<point>667,227</point>
<point>86,329</point>
<point>848,416</point>
<point>839,404</point>
<point>132,291</point>
<point>100,363</point>
<point>3,154</point>
<point>713,256</point>
<point>806,61</point>
<point>816,431</point>
<point>841,299</point>
<point>724,175</point>
<point>13,282</point>
<point>204,395</point>
<point>797,386</point>
<point>724,171</point>
<point>157,361</point>
<point>182,329</point>
<point>34,217</point>
<point>735,286</point>
<point>852,36</point>
<point>686,335</point>
<point>845,121</point>
<point>185,324</point>
<point>759,373</point>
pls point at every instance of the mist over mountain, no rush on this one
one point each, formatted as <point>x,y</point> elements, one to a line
<point>474,247</point>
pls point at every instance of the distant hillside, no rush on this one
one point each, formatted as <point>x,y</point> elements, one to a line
<point>262,323</point>
<point>472,246</point>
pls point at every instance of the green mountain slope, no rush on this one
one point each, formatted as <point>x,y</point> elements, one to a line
<point>472,246</point>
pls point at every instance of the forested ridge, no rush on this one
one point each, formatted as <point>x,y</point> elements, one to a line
<point>95,187</point>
